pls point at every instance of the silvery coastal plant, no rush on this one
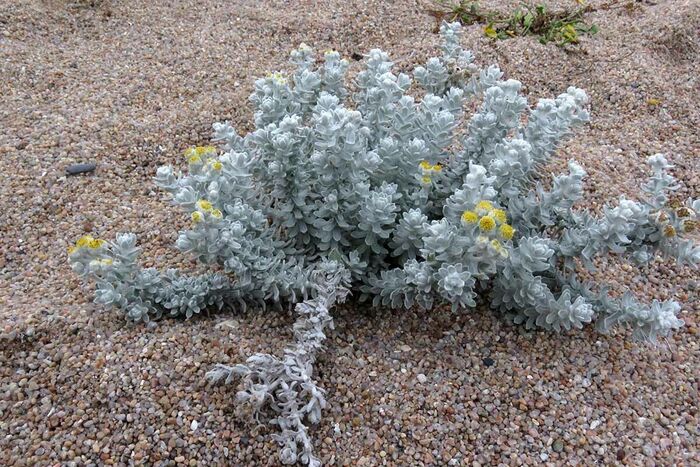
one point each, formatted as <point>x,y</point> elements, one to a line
<point>374,193</point>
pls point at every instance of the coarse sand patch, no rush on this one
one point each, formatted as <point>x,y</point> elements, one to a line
<point>130,84</point>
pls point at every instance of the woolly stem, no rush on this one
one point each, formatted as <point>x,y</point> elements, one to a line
<point>285,385</point>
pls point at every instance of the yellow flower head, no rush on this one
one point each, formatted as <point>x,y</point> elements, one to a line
<point>194,159</point>
<point>499,215</point>
<point>189,152</point>
<point>84,241</point>
<point>483,206</point>
<point>204,205</point>
<point>197,216</point>
<point>72,249</point>
<point>107,261</point>
<point>669,231</point>
<point>496,245</point>
<point>428,167</point>
<point>217,165</point>
<point>506,231</point>
<point>470,217</point>
<point>487,223</point>
<point>426,179</point>
<point>683,212</point>
<point>277,77</point>
<point>96,243</point>
<point>201,150</point>
<point>216,214</point>
<point>690,225</point>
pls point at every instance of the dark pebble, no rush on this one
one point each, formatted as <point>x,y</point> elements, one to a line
<point>621,455</point>
<point>488,361</point>
<point>80,168</point>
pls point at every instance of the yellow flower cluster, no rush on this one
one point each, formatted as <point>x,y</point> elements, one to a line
<point>488,218</point>
<point>428,167</point>
<point>205,206</point>
<point>428,170</point>
<point>684,221</point>
<point>277,77</point>
<point>195,153</point>
<point>86,241</point>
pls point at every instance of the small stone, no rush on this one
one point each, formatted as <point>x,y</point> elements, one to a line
<point>194,425</point>
<point>405,348</point>
<point>76,169</point>
<point>558,446</point>
<point>488,361</point>
<point>180,459</point>
<point>421,378</point>
<point>621,454</point>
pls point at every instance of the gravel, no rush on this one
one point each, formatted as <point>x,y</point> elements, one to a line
<point>129,85</point>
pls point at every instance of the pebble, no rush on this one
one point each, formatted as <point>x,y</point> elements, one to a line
<point>558,446</point>
<point>76,169</point>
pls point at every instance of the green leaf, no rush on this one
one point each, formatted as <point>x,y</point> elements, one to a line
<point>527,21</point>
<point>489,31</point>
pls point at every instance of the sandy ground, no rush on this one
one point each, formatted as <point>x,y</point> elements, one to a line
<point>130,84</point>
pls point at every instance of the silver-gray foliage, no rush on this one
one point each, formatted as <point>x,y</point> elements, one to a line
<point>373,192</point>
